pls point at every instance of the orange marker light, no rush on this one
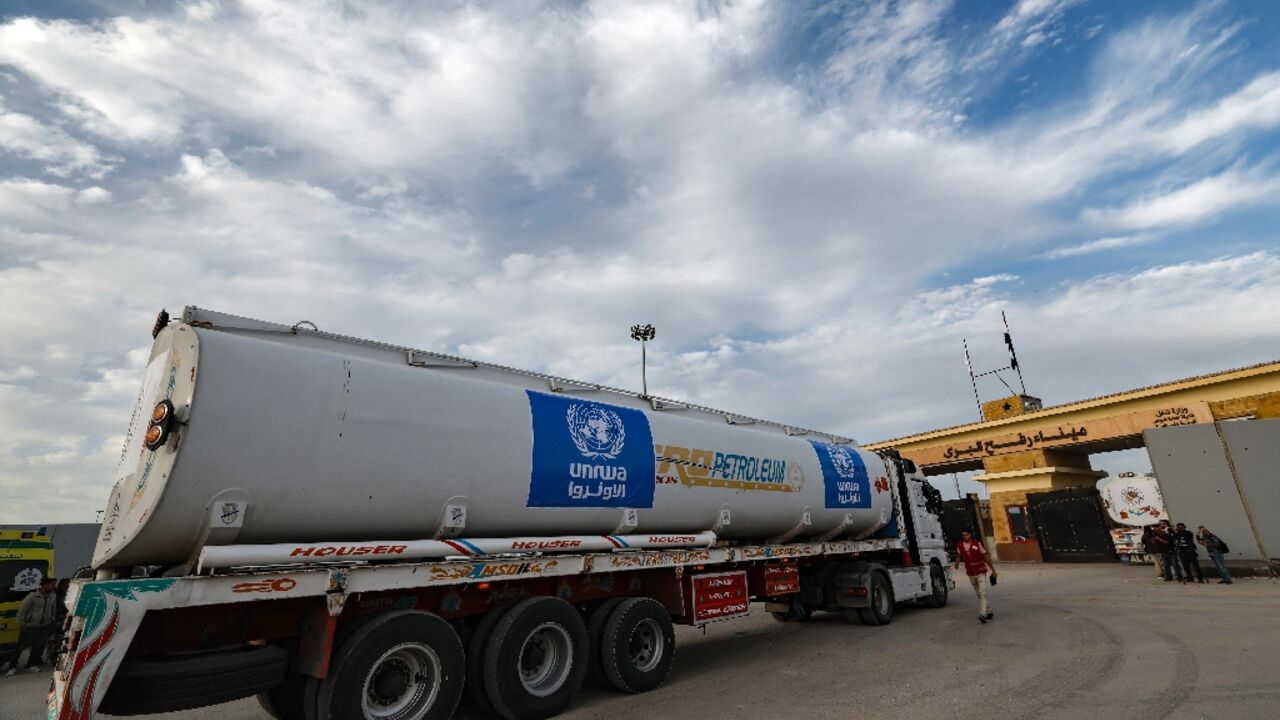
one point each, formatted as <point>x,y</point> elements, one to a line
<point>161,411</point>
<point>154,433</point>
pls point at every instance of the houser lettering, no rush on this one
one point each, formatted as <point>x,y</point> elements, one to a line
<point>344,550</point>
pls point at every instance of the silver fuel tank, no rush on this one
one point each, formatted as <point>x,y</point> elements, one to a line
<point>283,434</point>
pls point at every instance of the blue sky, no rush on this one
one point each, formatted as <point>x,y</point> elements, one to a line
<point>813,202</point>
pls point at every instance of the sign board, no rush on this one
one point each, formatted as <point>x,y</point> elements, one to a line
<point>781,580</point>
<point>1064,435</point>
<point>717,596</point>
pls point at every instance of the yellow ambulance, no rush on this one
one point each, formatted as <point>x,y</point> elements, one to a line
<point>26,557</point>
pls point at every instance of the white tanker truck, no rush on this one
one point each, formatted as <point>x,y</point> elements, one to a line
<point>348,529</point>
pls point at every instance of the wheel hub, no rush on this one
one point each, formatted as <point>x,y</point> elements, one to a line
<point>646,645</point>
<point>545,659</point>
<point>390,681</point>
<point>403,683</point>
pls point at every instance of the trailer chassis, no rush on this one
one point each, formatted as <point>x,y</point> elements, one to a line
<point>306,608</point>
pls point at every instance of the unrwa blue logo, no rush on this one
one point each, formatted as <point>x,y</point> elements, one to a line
<point>844,476</point>
<point>589,454</point>
<point>597,431</point>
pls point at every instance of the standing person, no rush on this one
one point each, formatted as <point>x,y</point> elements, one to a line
<point>37,617</point>
<point>1185,543</point>
<point>1216,549</point>
<point>1149,548</point>
<point>1162,541</point>
<point>60,614</point>
<point>974,556</point>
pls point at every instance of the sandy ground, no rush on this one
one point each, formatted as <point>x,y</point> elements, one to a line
<point>1085,641</point>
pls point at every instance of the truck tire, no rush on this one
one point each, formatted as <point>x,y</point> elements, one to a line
<point>400,665</point>
<point>595,631</point>
<point>475,656</point>
<point>536,659</point>
<point>797,612</point>
<point>311,699</point>
<point>165,684</point>
<point>284,701</point>
<point>937,587</point>
<point>638,645</point>
<point>880,595</point>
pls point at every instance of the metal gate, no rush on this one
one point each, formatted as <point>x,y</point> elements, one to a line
<point>1071,526</point>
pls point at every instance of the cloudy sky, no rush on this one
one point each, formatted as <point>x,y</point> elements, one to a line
<point>813,202</point>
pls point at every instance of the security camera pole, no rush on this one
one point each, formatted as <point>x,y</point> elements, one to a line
<point>643,333</point>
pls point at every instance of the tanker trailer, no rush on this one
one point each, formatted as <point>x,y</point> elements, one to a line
<point>298,500</point>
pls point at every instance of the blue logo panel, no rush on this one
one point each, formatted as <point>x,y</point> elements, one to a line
<point>844,475</point>
<point>589,454</point>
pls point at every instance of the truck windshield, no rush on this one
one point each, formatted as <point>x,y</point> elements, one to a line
<point>19,577</point>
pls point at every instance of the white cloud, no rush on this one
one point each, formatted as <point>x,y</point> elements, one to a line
<point>1255,106</point>
<point>1190,204</point>
<point>63,155</point>
<point>1032,13</point>
<point>1099,245</point>
<point>93,196</point>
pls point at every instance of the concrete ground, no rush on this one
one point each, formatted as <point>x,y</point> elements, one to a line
<point>1068,641</point>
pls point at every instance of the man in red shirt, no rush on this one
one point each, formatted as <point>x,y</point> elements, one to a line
<point>974,556</point>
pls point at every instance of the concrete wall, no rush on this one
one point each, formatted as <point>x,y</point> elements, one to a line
<point>1195,478</point>
<point>1255,449</point>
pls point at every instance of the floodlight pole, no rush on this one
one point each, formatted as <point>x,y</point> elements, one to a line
<point>643,333</point>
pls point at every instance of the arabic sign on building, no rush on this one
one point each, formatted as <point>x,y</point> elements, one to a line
<point>1065,435</point>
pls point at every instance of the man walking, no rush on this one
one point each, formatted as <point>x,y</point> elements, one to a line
<point>1185,543</point>
<point>974,556</point>
<point>1162,542</point>
<point>1216,549</point>
<point>37,617</point>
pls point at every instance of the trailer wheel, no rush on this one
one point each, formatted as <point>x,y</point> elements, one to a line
<point>475,656</point>
<point>311,699</point>
<point>595,633</point>
<point>400,665</point>
<point>937,587</point>
<point>638,646</point>
<point>285,701</point>
<point>536,659</point>
<point>880,611</point>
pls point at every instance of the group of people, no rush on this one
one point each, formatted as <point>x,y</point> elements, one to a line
<point>1179,556</point>
<point>38,617</point>
<point>1175,546</point>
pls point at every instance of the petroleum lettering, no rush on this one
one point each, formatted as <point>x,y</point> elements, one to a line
<point>696,466</point>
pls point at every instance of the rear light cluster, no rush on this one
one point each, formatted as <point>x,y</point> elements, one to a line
<point>160,427</point>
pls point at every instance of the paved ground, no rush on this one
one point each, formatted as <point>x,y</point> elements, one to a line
<point>1093,641</point>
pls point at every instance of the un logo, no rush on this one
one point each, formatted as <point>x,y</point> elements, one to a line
<point>597,431</point>
<point>843,461</point>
